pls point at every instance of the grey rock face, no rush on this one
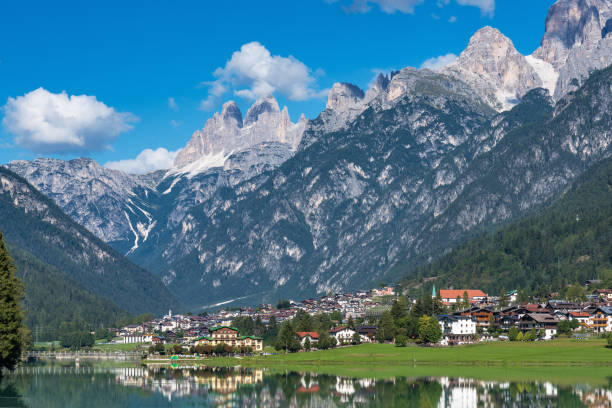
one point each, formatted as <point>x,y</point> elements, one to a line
<point>33,223</point>
<point>576,41</point>
<point>495,69</point>
<point>226,133</point>
<point>109,203</point>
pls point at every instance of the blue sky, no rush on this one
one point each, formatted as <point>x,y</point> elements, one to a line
<point>130,59</point>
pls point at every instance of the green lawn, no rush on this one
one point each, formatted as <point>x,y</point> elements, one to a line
<point>565,352</point>
<point>120,346</point>
<point>562,361</point>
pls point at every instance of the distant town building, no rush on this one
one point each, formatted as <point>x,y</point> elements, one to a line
<point>312,336</point>
<point>449,296</point>
<point>230,336</point>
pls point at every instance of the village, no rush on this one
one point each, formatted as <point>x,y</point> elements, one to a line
<point>470,316</point>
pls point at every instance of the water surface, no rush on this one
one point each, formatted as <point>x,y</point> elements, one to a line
<point>92,386</point>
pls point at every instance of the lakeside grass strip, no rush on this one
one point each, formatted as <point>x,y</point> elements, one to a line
<point>565,352</point>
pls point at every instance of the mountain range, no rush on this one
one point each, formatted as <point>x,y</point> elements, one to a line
<point>381,182</point>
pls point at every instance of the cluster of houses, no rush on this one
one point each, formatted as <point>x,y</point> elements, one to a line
<point>189,329</point>
<point>483,316</point>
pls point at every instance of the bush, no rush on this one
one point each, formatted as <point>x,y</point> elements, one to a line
<point>401,340</point>
<point>177,349</point>
<point>513,333</point>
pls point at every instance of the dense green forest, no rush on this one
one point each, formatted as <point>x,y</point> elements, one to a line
<point>568,242</point>
<point>33,223</point>
<point>53,298</point>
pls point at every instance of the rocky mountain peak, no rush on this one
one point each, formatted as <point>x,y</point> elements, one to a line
<point>231,111</point>
<point>266,104</point>
<point>571,23</point>
<point>227,132</point>
<point>344,96</point>
<point>576,41</point>
<point>489,37</point>
<point>495,69</point>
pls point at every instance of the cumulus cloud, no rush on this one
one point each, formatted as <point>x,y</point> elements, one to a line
<point>147,161</point>
<point>440,62</point>
<point>253,72</point>
<point>44,122</point>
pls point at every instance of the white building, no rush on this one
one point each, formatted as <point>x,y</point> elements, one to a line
<point>342,334</point>
<point>457,329</point>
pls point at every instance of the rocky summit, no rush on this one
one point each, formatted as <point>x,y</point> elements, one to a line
<point>383,180</point>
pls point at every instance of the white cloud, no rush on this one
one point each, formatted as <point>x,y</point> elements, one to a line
<point>175,123</point>
<point>172,104</point>
<point>147,161</point>
<point>44,122</point>
<point>452,19</point>
<point>440,62</point>
<point>252,72</point>
<point>487,7</point>
<point>387,6</point>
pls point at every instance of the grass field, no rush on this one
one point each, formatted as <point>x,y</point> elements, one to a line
<point>562,361</point>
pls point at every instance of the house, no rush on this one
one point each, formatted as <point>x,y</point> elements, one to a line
<point>605,294</point>
<point>539,321</point>
<point>582,318</point>
<point>457,329</point>
<point>157,340</point>
<point>342,334</point>
<point>482,315</point>
<point>230,336</point>
<point>312,336</point>
<point>366,333</point>
<point>512,296</point>
<point>449,296</point>
<point>601,319</point>
<point>386,291</point>
<point>562,306</point>
<point>133,338</point>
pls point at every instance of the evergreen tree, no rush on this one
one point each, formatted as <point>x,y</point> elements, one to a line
<point>12,331</point>
<point>513,333</point>
<point>386,329</point>
<point>398,309</point>
<point>307,345</point>
<point>503,298</point>
<point>286,339</point>
<point>351,323</point>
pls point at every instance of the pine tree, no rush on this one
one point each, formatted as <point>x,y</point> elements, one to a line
<point>12,331</point>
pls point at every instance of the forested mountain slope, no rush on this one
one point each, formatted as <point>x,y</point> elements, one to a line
<point>53,297</point>
<point>31,222</point>
<point>566,243</point>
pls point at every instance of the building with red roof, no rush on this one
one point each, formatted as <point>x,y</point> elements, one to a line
<point>449,296</point>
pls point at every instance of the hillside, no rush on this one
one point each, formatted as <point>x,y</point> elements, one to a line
<point>32,223</point>
<point>569,242</point>
<point>53,297</point>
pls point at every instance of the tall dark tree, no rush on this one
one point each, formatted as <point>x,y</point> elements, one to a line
<point>12,331</point>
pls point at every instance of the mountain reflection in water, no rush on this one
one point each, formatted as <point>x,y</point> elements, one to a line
<point>93,386</point>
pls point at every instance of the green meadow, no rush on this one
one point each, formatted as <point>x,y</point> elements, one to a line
<point>561,361</point>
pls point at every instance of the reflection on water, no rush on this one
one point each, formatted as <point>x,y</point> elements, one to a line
<point>94,386</point>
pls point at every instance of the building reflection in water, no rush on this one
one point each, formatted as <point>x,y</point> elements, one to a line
<point>242,387</point>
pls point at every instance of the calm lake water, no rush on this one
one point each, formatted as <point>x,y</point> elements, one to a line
<point>69,386</point>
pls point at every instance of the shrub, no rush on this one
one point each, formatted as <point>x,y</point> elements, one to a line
<point>401,340</point>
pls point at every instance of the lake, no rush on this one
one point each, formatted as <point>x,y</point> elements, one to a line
<point>92,386</point>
